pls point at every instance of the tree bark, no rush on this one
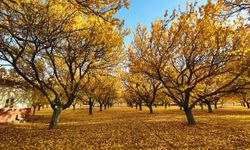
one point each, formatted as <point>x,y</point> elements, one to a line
<point>90,108</point>
<point>190,117</point>
<point>215,105</point>
<point>243,103</point>
<point>201,105</point>
<point>34,110</point>
<point>209,107</point>
<point>150,109</point>
<point>100,106</point>
<point>55,118</point>
<point>208,103</point>
<point>248,105</point>
<point>39,107</point>
<point>131,105</point>
<point>165,105</point>
<point>140,106</point>
<point>105,106</point>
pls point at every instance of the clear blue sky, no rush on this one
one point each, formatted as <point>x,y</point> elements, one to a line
<point>146,11</point>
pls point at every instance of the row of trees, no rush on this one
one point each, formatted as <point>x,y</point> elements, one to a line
<point>68,50</point>
<point>103,89</point>
<point>193,57</point>
<point>54,44</point>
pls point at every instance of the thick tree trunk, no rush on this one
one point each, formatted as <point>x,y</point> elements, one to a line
<point>55,118</point>
<point>100,106</point>
<point>140,106</point>
<point>190,117</point>
<point>34,110</point>
<point>150,109</point>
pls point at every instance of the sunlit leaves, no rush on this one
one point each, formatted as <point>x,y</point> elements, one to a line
<point>195,54</point>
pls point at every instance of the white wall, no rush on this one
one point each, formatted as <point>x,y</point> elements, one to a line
<point>22,98</point>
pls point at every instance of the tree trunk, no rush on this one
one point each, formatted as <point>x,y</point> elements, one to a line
<point>215,105</point>
<point>201,105</point>
<point>165,105</point>
<point>248,105</point>
<point>244,104</point>
<point>34,110</point>
<point>140,106</point>
<point>136,105</point>
<point>90,108</point>
<point>209,107</point>
<point>190,117</point>
<point>131,105</point>
<point>105,106</point>
<point>55,118</point>
<point>39,107</point>
<point>208,103</point>
<point>100,106</point>
<point>74,106</point>
<point>150,109</point>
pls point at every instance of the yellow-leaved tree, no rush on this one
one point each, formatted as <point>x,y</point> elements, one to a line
<point>190,50</point>
<point>53,44</point>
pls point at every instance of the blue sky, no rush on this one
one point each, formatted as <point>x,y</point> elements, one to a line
<point>146,11</point>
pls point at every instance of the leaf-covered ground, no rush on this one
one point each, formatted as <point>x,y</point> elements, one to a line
<point>126,128</point>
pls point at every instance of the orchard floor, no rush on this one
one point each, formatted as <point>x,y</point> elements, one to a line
<point>127,128</point>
